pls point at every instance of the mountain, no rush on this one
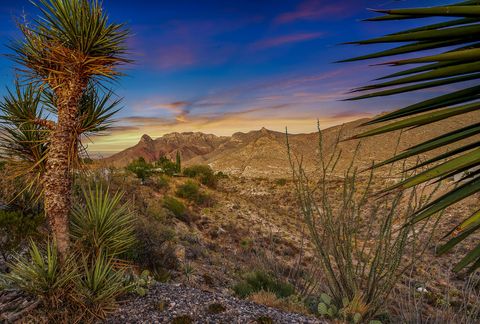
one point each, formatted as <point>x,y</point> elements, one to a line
<point>189,145</point>
<point>263,153</point>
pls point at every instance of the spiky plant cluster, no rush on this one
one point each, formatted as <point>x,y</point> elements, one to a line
<point>101,224</point>
<point>453,58</point>
<point>86,284</point>
<point>361,242</point>
<point>72,38</point>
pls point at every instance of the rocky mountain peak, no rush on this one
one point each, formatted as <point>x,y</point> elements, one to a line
<point>145,139</point>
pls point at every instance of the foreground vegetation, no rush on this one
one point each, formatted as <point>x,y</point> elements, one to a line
<point>349,255</point>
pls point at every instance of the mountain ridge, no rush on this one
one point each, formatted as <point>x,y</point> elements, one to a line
<point>263,153</point>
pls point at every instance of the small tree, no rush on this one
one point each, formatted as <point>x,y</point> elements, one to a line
<point>64,54</point>
<point>141,169</point>
<point>178,162</point>
<point>168,167</point>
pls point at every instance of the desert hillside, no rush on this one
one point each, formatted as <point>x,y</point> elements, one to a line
<point>263,152</point>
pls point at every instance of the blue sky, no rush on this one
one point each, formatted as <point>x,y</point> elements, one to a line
<point>227,66</point>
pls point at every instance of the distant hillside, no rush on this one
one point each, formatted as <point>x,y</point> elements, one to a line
<point>263,153</point>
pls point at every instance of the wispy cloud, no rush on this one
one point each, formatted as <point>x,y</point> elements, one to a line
<point>284,40</point>
<point>312,10</point>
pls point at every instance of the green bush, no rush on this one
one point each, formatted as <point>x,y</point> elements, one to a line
<point>176,207</point>
<point>258,280</point>
<point>203,173</point>
<point>191,191</point>
<point>168,167</point>
<point>155,247</point>
<point>102,223</point>
<point>141,169</point>
<point>281,182</point>
<point>15,228</point>
<point>188,190</point>
<point>162,182</point>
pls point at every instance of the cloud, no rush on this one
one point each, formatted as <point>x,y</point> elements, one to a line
<point>312,10</point>
<point>283,40</point>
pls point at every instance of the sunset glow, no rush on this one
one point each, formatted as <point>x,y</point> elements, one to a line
<point>223,67</point>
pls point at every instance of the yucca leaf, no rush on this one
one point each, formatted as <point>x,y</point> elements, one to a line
<point>409,48</point>
<point>452,98</point>
<point>471,257</point>
<point>421,68</point>
<point>461,192</point>
<point>455,22</point>
<point>434,143</point>
<point>423,119</point>
<point>444,72</point>
<point>415,87</point>
<point>443,11</point>
<point>471,158</point>
<point>462,55</point>
<point>457,239</point>
<point>447,154</point>
<point>462,32</point>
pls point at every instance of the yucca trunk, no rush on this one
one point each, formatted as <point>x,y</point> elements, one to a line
<point>58,175</point>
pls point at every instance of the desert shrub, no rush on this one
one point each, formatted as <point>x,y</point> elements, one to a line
<point>191,191</point>
<point>155,247</point>
<point>162,183</point>
<point>15,228</point>
<point>216,308</point>
<point>418,303</point>
<point>141,169</point>
<point>167,166</point>
<point>182,319</point>
<point>188,190</point>
<point>140,284</point>
<point>290,304</point>
<point>202,173</point>
<point>261,281</point>
<point>361,242</point>
<point>102,223</point>
<point>281,182</point>
<point>221,175</point>
<point>156,209</point>
<point>176,207</point>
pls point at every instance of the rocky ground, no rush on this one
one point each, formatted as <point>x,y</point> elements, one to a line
<point>177,303</point>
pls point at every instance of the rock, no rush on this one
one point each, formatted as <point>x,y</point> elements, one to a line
<point>200,306</point>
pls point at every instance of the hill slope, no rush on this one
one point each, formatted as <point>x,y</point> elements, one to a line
<point>263,153</point>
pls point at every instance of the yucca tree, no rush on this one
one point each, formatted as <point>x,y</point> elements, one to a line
<point>68,50</point>
<point>455,41</point>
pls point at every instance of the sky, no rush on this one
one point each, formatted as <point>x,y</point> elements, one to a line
<point>224,66</point>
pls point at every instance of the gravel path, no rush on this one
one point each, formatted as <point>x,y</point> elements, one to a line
<point>168,303</point>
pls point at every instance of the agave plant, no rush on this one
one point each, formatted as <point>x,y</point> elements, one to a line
<point>68,49</point>
<point>102,225</point>
<point>41,274</point>
<point>99,286</point>
<point>455,42</point>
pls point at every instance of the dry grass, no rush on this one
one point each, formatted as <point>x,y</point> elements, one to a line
<point>269,299</point>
